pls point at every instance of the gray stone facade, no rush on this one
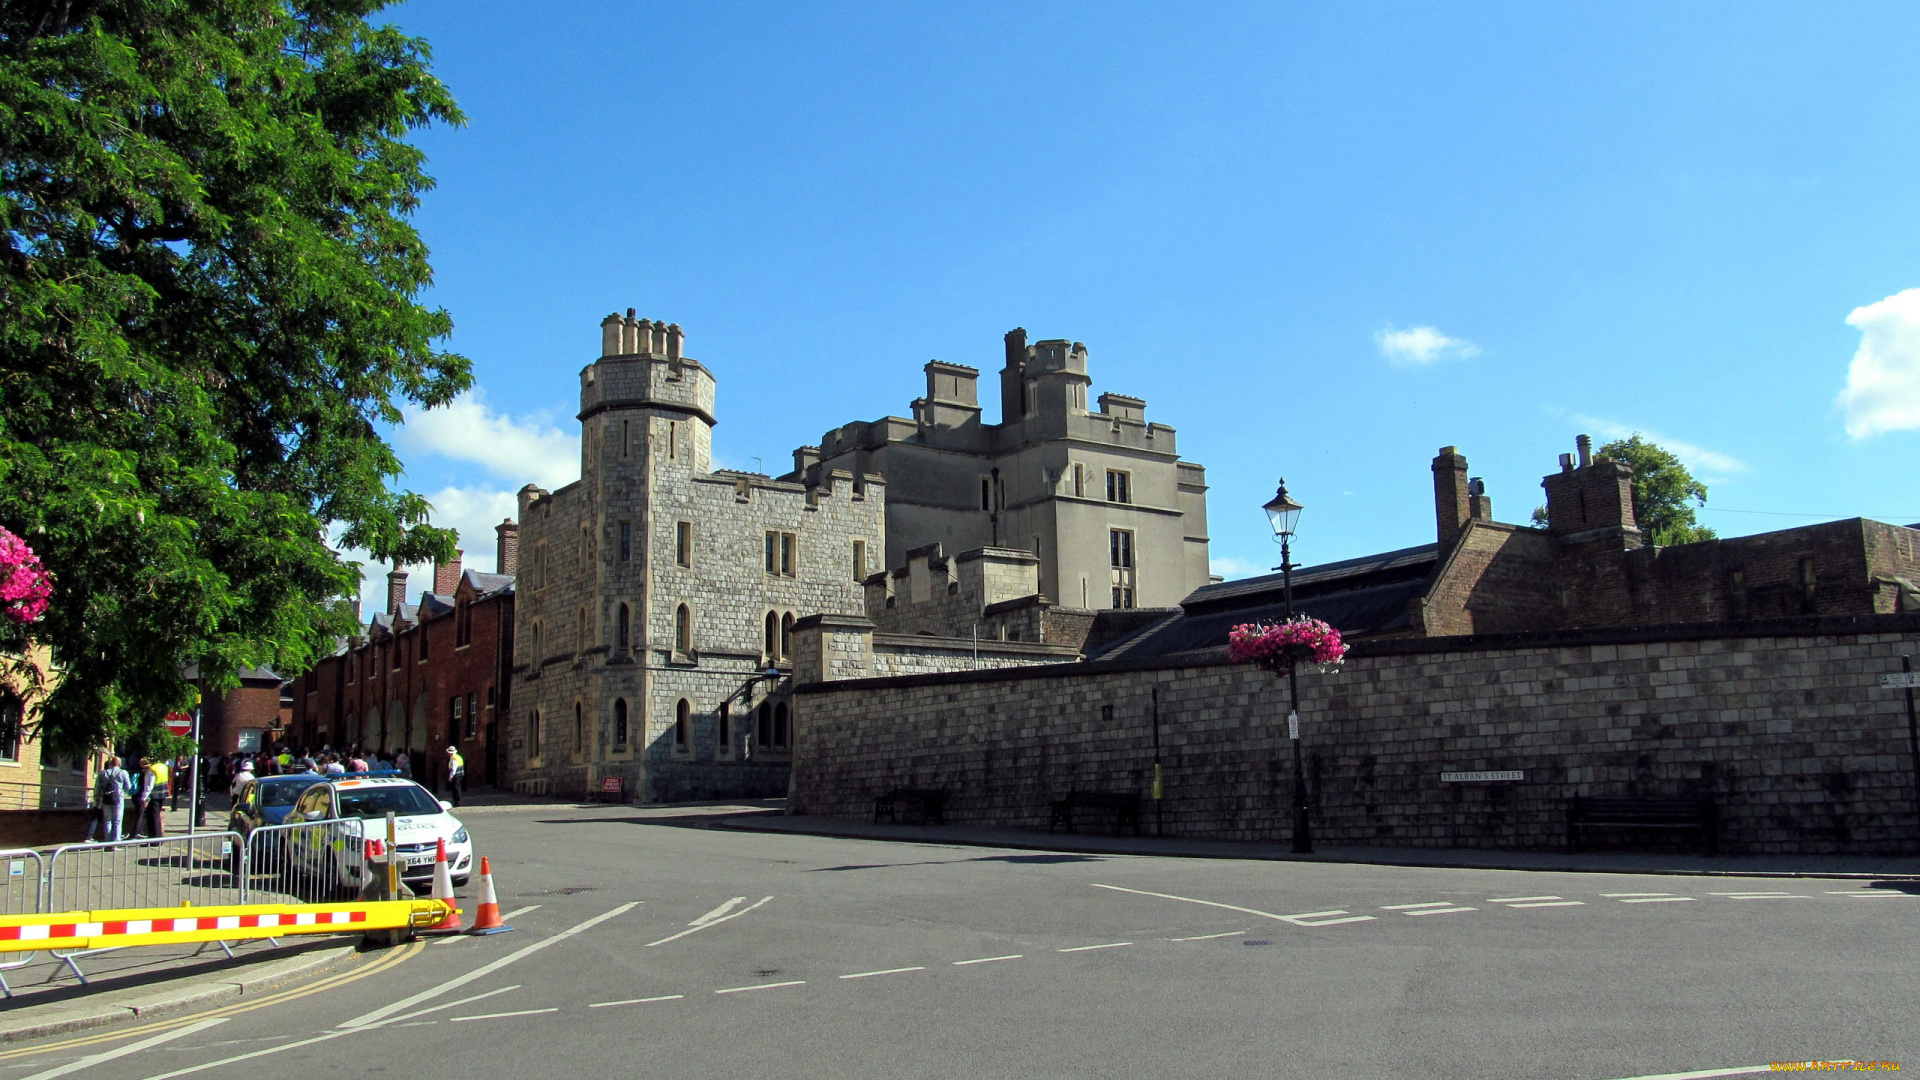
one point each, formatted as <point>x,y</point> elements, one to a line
<point>661,589</point>
<point>1054,477</point>
<point>1783,723</point>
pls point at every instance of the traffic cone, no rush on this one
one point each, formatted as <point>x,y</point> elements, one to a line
<point>443,889</point>
<point>488,920</point>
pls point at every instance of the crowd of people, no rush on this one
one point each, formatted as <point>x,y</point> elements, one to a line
<point>136,797</point>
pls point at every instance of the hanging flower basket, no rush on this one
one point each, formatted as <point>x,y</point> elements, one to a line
<point>24,584</point>
<point>1300,640</point>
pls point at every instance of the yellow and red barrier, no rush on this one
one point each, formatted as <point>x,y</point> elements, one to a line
<point>173,926</point>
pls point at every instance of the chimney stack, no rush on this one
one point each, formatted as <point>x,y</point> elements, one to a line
<point>446,576</point>
<point>507,553</point>
<point>396,590</point>
<point>1452,506</point>
<point>610,336</point>
<point>676,340</point>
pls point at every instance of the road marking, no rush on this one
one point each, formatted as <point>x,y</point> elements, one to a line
<point>636,1001</point>
<point>1616,895</point>
<point>888,971</point>
<point>1762,895</point>
<point>1520,899</point>
<point>719,911</point>
<point>1864,893</point>
<point>498,1016</point>
<point>417,1023</point>
<point>483,970</point>
<point>452,1004</point>
<point>1296,920</point>
<point>1089,948</point>
<point>761,986</point>
<point>131,1048</point>
<point>715,922</point>
<point>1409,907</point>
<point>1207,937</point>
<point>1655,899</point>
<point>988,959</point>
<point>1705,1073</point>
<point>517,912</point>
<point>1552,903</point>
<point>1440,911</point>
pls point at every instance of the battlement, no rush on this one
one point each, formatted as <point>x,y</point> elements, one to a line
<point>643,364</point>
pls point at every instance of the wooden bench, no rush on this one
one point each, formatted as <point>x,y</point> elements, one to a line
<point>1638,813</point>
<point>930,802</point>
<point>1124,804</point>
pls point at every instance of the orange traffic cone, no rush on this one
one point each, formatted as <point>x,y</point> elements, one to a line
<point>443,889</point>
<point>488,920</point>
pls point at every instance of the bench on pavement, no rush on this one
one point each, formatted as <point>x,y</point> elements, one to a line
<point>1643,813</point>
<point>930,803</point>
<point>1124,804</point>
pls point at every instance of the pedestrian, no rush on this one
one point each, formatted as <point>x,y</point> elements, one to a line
<point>180,770</point>
<point>403,763</point>
<point>143,794</point>
<point>456,774</point>
<point>358,764</point>
<point>110,801</point>
<point>242,774</point>
<point>331,766</point>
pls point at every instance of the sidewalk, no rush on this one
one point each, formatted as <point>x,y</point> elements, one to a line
<point>1888,867</point>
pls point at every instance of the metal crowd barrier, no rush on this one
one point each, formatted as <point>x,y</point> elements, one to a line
<point>200,870</point>
<point>22,892</point>
<point>313,862</point>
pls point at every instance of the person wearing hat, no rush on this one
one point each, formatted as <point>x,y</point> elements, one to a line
<point>456,774</point>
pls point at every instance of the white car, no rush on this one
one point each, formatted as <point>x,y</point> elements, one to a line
<point>357,809</point>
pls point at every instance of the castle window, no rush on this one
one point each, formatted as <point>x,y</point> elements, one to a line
<point>771,647</point>
<point>1737,594</point>
<point>1119,486</point>
<point>683,543</point>
<point>724,730</point>
<point>786,635</point>
<point>683,727</point>
<point>580,636</point>
<point>625,437</point>
<point>763,735</point>
<point>780,726</point>
<point>622,627</point>
<point>1808,580</point>
<point>620,722</point>
<point>1120,549</point>
<point>1079,480</point>
<point>673,439</point>
<point>626,541</point>
<point>789,555</point>
<point>986,493</point>
<point>579,730</point>
<point>683,630</point>
<point>533,734</point>
<point>456,712</point>
<point>859,560</point>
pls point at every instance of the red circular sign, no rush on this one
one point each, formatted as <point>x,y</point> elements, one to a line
<point>180,724</point>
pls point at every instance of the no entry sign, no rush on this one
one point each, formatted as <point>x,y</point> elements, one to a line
<point>180,724</point>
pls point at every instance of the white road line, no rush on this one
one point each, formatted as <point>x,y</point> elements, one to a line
<point>716,922</point>
<point>1866,894</point>
<point>1552,903</point>
<point>719,911</point>
<point>517,912</point>
<point>1705,1073</point>
<point>453,1004</point>
<point>988,959</point>
<point>131,1048</point>
<point>1409,907</point>
<point>417,1023</point>
<point>189,1070</point>
<point>888,971</point>
<point>1655,899</point>
<point>762,986</point>
<point>497,1016</point>
<point>1616,895</point>
<point>636,1001</point>
<point>1762,895</point>
<point>480,972</point>
<point>1520,899</point>
<point>1441,911</point>
<point>1294,919</point>
<point>1090,948</point>
<point>1207,937</point>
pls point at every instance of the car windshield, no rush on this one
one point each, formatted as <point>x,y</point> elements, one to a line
<point>281,794</point>
<point>399,799</point>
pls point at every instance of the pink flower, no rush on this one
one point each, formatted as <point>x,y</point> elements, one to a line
<point>25,587</point>
<point>1300,638</point>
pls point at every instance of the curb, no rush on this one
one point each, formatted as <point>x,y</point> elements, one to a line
<point>38,1021</point>
<point>1019,845</point>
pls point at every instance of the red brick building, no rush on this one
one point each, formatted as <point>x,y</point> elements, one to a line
<point>427,676</point>
<point>248,718</point>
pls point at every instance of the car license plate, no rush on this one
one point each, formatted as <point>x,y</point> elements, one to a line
<point>419,860</point>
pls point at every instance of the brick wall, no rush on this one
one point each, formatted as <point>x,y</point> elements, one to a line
<point>1782,723</point>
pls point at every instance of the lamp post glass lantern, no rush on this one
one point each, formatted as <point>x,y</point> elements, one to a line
<point>1283,513</point>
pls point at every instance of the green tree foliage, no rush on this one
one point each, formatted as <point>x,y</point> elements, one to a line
<point>209,287</point>
<point>1664,492</point>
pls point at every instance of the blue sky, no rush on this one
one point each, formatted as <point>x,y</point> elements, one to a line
<point>1321,240</point>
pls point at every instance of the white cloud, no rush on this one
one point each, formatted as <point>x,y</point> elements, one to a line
<point>1712,463</point>
<point>1421,345</point>
<point>470,511</point>
<point>1231,567</point>
<point>1883,381</point>
<point>527,450</point>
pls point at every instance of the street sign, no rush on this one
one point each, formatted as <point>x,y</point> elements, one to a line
<point>179,723</point>
<point>1909,679</point>
<point>1481,777</point>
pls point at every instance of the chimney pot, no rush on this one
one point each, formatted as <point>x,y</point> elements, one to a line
<point>396,590</point>
<point>1585,446</point>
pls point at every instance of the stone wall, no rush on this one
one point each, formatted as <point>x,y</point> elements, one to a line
<point>1782,723</point>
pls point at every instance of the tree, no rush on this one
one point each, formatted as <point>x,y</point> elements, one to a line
<point>210,290</point>
<point>1662,489</point>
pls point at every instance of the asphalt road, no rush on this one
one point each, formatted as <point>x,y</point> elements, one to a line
<point>661,949</point>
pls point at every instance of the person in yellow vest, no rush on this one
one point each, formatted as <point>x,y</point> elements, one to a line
<point>456,774</point>
<point>153,798</point>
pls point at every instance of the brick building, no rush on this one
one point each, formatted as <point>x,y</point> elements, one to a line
<point>426,676</point>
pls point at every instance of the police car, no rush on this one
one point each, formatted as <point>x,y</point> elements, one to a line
<point>356,808</point>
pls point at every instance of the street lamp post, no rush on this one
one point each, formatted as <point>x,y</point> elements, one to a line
<point>1282,513</point>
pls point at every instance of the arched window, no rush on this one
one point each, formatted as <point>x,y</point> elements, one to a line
<point>763,733</point>
<point>620,720</point>
<point>724,734</point>
<point>780,726</point>
<point>621,628</point>
<point>683,630</point>
<point>786,635</point>
<point>683,726</point>
<point>772,649</point>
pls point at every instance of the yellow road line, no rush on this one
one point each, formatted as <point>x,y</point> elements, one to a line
<point>397,956</point>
